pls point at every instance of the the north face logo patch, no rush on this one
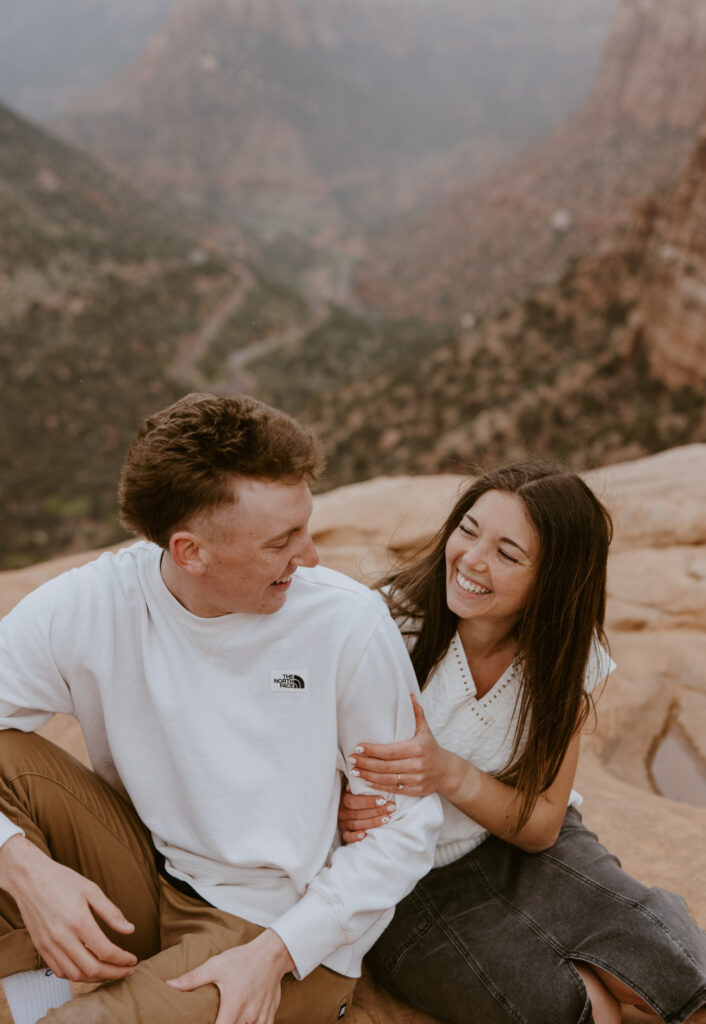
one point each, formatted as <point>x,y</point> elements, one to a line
<point>288,681</point>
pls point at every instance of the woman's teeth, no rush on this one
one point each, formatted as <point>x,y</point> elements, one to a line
<point>471,588</point>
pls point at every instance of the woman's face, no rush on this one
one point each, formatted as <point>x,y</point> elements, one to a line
<point>491,560</point>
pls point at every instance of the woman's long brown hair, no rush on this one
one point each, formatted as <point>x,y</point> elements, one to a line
<point>555,632</point>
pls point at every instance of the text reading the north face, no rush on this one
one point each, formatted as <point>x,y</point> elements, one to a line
<point>289,681</point>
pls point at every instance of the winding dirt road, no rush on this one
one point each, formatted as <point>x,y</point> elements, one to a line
<point>193,347</point>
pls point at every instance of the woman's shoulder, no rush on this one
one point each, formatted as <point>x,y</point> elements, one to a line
<point>599,665</point>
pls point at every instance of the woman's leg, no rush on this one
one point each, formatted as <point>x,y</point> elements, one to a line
<point>496,937</point>
<point>639,942</point>
<point>605,1007</point>
<point>620,991</point>
<point>458,951</point>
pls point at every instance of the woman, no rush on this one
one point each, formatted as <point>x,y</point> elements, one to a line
<point>525,916</point>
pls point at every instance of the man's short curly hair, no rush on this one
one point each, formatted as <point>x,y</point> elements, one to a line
<point>185,458</point>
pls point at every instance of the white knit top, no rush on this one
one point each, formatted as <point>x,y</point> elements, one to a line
<point>481,730</point>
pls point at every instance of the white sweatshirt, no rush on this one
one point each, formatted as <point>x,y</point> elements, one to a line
<point>230,736</point>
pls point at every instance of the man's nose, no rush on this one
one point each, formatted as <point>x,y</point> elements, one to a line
<point>307,555</point>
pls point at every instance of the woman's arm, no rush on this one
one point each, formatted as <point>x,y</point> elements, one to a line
<point>421,766</point>
<point>494,804</point>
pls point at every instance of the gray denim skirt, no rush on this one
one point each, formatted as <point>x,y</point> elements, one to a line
<point>493,937</point>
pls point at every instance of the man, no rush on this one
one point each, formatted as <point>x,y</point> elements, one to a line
<point>220,679</point>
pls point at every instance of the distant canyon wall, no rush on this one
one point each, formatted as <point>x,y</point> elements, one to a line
<point>520,226</point>
<point>324,117</point>
<point>653,70</point>
<point>673,316</point>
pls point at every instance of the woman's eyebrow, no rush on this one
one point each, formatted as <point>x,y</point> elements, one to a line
<point>503,540</point>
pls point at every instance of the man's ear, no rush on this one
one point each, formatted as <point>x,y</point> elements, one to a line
<point>187,553</point>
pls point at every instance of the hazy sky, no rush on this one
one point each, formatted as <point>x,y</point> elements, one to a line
<point>52,51</point>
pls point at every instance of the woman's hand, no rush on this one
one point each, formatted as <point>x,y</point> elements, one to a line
<point>414,767</point>
<point>356,814</point>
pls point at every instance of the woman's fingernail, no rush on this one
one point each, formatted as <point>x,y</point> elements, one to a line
<point>385,820</point>
<point>353,760</point>
<point>390,807</point>
<point>354,771</point>
<point>380,801</point>
<point>358,750</point>
<point>361,835</point>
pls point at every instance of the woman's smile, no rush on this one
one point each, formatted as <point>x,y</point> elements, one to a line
<point>491,560</point>
<point>469,585</point>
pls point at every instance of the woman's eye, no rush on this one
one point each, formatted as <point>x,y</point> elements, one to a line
<point>507,557</point>
<point>467,530</point>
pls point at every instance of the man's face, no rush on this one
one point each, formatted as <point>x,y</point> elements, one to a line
<point>251,549</point>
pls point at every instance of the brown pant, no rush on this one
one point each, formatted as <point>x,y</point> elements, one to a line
<point>80,821</point>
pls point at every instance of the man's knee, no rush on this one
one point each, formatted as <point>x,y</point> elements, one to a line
<point>27,752</point>
<point>37,778</point>
<point>16,747</point>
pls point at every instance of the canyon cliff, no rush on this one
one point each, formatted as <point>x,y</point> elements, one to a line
<point>673,315</point>
<point>324,117</point>
<point>98,282</point>
<point>522,225</point>
<point>604,364</point>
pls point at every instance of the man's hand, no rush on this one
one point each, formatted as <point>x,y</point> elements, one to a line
<point>57,906</point>
<point>248,979</point>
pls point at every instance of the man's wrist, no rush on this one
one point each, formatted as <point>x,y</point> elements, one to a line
<point>16,854</point>
<point>273,947</point>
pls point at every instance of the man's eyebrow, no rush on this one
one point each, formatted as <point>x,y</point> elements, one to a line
<point>282,535</point>
<point>503,540</point>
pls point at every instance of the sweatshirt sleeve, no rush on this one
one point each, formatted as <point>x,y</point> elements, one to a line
<point>363,880</point>
<point>32,685</point>
<point>598,667</point>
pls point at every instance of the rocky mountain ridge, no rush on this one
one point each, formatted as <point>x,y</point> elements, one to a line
<point>99,283</point>
<point>521,225</point>
<point>673,310</point>
<point>574,370</point>
<point>322,116</point>
<point>604,365</point>
<point>650,71</point>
